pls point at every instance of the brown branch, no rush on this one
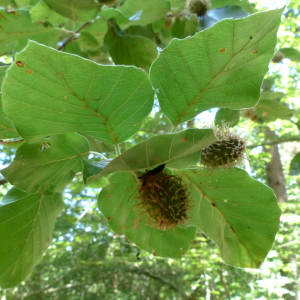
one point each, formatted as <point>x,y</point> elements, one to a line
<point>164,281</point>
<point>53,290</point>
<point>276,141</point>
<point>73,37</point>
<point>4,143</point>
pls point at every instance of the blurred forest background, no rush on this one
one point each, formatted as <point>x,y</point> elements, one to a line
<point>86,260</point>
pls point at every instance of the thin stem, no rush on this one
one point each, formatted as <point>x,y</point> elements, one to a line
<point>174,128</point>
<point>72,37</point>
<point>275,141</point>
<point>10,142</point>
<point>118,149</point>
<point>97,153</point>
<point>298,126</point>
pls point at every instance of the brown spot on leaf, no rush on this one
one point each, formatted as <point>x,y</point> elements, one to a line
<point>139,161</point>
<point>214,205</point>
<point>255,51</point>
<point>3,17</point>
<point>185,139</point>
<point>61,74</point>
<point>222,49</point>
<point>153,252</point>
<point>109,196</point>
<point>259,263</point>
<point>156,159</point>
<point>20,63</point>
<point>109,218</point>
<point>243,57</point>
<point>232,229</point>
<point>195,172</point>
<point>64,97</point>
<point>28,71</point>
<point>13,12</point>
<point>265,114</point>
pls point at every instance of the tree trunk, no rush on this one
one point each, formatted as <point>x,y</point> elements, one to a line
<point>276,181</point>
<point>275,175</point>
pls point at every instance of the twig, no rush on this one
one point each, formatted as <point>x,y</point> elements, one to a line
<point>163,280</point>
<point>298,126</point>
<point>72,37</point>
<point>276,141</point>
<point>53,290</point>
<point>4,143</point>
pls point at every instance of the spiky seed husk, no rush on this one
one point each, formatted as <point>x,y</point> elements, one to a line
<point>165,199</point>
<point>198,7</point>
<point>228,151</point>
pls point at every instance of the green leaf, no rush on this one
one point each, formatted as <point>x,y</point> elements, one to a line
<point>291,53</point>
<point>91,169</point>
<point>137,12</point>
<point>271,95</point>
<point>245,4</point>
<point>228,116</point>
<point>26,225</point>
<point>177,5</point>
<point>17,26</point>
<point>271,110</point>
<point>7,129</point>
<point>5,3</point>
<point>64,93</point>
<point>130,50</point>
<point>42,13</point>
<point>76,10</point>
<point>112,13</point>
<point>115,203</point>
<point>222,66</point>
<point>158,25</point>
<point>98,146</point>
<point>295,165</point>
<point>3,70</point>
<point>38,168</point>
<point>186,162</point>
<point>185,26</point>
<point>240,214</point>
<point>74,48</point>
<point>92,36</point>
<point>23,3</point>
<point>160,149</point>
